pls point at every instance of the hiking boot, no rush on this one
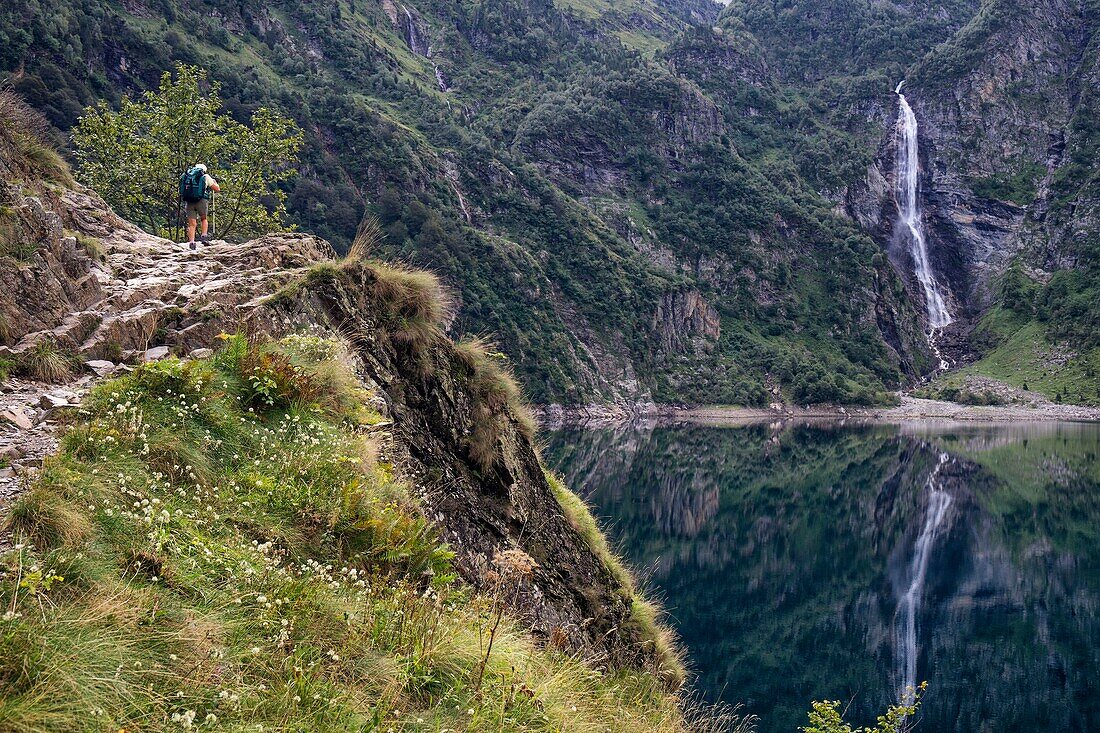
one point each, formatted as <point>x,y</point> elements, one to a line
<point>205,238</point>
<point>193,245</point>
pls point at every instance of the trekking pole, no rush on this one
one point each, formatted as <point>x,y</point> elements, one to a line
<point>213,213</point>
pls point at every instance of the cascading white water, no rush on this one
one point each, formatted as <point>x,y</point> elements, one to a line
<point>910,226</point>
<point>421,47</point>
<point>909,604</point>
<point>415,40</point>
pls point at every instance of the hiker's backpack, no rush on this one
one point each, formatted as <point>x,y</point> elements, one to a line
<point>193,185</point>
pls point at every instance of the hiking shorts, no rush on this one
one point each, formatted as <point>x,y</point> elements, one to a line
<point>197,209</point>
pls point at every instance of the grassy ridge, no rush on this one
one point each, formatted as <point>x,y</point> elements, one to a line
<point>1024,354</point>
<point>218,546</point>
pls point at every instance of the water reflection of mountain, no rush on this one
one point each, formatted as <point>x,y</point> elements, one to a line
<point>783,554</point>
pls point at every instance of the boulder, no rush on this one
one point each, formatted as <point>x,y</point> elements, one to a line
<point>155,354</point>
<point>53,400</point>
<point>101,367</point>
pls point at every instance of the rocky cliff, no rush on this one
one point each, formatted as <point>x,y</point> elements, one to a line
<point>997,103</point>
<point>99,296</point>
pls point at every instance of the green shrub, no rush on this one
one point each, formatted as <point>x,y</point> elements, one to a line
<point>825,717</point>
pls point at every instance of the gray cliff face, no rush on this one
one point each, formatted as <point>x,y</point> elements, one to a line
<point>996,104</point>
<point>685,322</point>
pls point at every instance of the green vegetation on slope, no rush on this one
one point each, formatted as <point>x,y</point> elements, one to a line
<point>481,183</point>
<point>1045,338</point>
<point>219,546</point>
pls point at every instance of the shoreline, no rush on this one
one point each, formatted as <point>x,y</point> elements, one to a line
<point>911,409</point>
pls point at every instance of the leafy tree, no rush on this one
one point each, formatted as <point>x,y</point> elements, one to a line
<point>134,157</point>
<point>825,716</point>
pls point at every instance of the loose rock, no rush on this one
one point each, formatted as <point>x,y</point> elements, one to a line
<point>101,367</point>
<point>18,418</point>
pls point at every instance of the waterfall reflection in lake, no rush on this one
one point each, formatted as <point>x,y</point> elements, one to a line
<point>939,501</point>
<point>786,555</point>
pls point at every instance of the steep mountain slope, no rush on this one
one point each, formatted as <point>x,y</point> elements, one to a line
<point>225,522</point>
<point>1004,95</point>
<point>640,202</point>
<point>1008,109</point>
<point>625,234</point>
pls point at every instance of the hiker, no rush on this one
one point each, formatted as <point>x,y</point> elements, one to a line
<point>197,188</point>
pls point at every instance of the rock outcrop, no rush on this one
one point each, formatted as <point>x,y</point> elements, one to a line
<point>148,297</point>
<point>685,321</point>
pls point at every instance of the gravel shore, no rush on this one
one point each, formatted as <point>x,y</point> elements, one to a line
<point>910,409</point>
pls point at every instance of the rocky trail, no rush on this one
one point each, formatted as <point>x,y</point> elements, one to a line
<point>94,296</point>
<point>108,296</point>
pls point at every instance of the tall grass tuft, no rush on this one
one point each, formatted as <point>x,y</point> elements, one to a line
<point>368,237</point>
<point>497,400</point>
<point>45,518</point>
<point>26,132</point>
<point>411,305</point>
<point>46,362</point>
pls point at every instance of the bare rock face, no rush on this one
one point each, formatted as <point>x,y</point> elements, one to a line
<point>43,267</point>
<point>684,321</point>
<point>484,513</point>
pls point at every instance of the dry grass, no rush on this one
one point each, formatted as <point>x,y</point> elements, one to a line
<point>411,305</point>
<point>367,239</point>
<point>25,133</point>
<point>497,400</point>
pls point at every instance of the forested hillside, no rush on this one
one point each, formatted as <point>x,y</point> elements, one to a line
<point>641,200</point>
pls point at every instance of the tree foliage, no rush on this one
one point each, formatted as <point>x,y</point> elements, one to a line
<point>135,156</point>
<point>825,716</point>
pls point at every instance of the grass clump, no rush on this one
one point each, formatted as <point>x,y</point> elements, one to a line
<point>368,238</point>
<point>25,134</point>
<point>217,547</point>
<point>45,361</point>
<point>92,246</point>
<point>497,400</point>
<point>646,615</point>
<point>411,305</point>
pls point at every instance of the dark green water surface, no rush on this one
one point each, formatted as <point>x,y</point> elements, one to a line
<point>790,558</point>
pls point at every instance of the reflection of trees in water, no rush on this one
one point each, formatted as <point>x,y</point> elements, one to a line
<point>779,550</point>
<point>683,503</point>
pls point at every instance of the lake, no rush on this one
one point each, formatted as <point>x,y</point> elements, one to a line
<point>815,561</point>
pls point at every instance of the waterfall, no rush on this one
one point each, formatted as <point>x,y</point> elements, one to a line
<point>414,39</point>
<point>420,46</point>
<point>910,227</point>
<point>905,619</point>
